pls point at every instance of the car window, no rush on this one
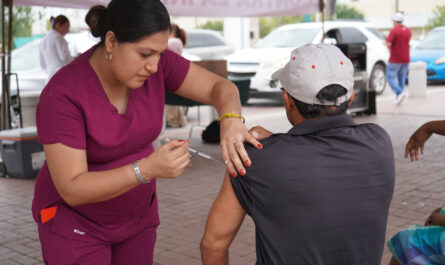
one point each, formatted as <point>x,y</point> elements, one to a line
<point>376,33</point>
<point>351,35</point>
<point>25,57</point>
<point>202,40</point>
<point>292,38</point>
<point>434,40</point>
<point>334,34</point>
<point>214,41</point>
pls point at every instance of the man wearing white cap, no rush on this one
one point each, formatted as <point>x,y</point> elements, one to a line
<point>397,69</point>
<point>320,193</point>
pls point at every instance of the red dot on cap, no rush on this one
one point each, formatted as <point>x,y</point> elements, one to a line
<point>293,58</point>
<point>341,62</point>
<point>313,66</point>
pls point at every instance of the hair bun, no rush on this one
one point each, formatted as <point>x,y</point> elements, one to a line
<point>95,19</point>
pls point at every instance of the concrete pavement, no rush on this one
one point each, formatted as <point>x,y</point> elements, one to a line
<point>185,202</point>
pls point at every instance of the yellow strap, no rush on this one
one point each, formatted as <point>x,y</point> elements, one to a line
<point>231,115</point>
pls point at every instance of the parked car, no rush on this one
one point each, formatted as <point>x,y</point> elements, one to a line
<point>431,50</point>
<point>206,45</point>
<point>272,52</point>
<point>26,70</point>
<point>25,62</point>
<point>80,42</point>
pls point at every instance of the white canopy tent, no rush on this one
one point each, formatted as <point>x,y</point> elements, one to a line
<point>203,8</point>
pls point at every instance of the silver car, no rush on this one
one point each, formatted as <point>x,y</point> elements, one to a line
<point>207,45</point>
<point>272,53</point>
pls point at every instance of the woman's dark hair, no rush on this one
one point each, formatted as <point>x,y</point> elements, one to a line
<point>60,19</point>
<point>330,93</point>
<point>179,33</point>
<point>129,20</point>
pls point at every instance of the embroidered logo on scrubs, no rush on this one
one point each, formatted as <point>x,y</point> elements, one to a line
<point>79,232</point>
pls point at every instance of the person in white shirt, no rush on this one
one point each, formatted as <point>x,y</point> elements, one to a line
<point>176,42</point>
<point>54,52</point>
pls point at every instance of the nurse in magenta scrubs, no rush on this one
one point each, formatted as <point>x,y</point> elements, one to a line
<point>95,198</point>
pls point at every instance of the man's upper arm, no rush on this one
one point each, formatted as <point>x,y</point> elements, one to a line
<point>225,217</point>
<point>390,38</point>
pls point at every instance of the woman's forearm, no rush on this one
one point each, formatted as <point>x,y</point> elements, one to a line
<point>78,186</point>
<point>91,187</point>
<point>225,97</point>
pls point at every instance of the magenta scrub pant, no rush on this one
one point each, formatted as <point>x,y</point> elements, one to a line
<point>58,249</point>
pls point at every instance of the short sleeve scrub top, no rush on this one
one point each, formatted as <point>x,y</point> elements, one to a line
<point>75,111</point>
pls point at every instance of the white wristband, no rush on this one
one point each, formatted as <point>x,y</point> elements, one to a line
<point>137,171</point>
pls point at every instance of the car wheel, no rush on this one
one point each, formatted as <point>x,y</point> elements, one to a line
<point>377,81</point>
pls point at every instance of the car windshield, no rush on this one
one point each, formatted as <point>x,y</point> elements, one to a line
<point>377,33</point>
<point>197,39</point>
<point>25,57</point>
<point>434,40</point>
<point>292,38</point>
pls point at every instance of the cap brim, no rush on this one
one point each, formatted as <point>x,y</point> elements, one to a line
<point>277,74</point>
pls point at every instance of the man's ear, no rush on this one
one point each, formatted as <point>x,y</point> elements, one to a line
<point>292,112</point>
<point>288,101</point>
<point>351,98</point>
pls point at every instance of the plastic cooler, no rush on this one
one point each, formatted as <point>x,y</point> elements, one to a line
<point>21,152</point>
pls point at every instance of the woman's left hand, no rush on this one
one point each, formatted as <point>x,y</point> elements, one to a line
<point>233,135</point>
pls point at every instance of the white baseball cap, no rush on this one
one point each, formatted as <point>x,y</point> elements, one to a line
<point>313,67</point>
<point>398,17</point>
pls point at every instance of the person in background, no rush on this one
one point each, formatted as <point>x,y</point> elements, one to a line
<point>176,42</point>
<point>95,198</point>
<point>320,193</point>
<point>419,244</point>
<point>53,49</point>
<point>397,68</point>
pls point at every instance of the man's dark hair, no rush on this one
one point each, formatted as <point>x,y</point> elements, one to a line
<point>330,93</point>
<point>130,20</point>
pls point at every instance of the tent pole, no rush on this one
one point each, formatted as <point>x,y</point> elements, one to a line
<point>10,18</point>
<point>321,7</point>
<point>3,106</point>
<point>8,113</point>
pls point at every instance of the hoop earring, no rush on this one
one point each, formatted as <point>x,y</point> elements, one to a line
<point>109,56</point>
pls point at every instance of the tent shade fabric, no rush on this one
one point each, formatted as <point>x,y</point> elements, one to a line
<point>241,8</point>
<point>61,3</point>
<point>205,8</point>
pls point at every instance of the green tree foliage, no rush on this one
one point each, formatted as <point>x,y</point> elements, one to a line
<point>438,18</point>
<point>214,25</point>
<point>22,22</point>
<point>345,12</point>
<point>267,24</point>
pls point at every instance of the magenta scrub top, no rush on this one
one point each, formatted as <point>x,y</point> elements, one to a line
<point>75,111</point>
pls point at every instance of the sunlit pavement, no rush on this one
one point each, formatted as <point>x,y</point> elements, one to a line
<point>185,202</point>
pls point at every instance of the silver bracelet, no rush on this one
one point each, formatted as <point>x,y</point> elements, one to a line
<point>137,171</point>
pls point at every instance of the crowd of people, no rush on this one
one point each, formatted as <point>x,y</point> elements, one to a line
<point>318,194</point>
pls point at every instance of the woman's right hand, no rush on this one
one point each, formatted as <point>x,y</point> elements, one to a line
<point>416,142</point>
<point>169,161</point>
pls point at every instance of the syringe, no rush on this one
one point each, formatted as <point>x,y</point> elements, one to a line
<point>196,152</point>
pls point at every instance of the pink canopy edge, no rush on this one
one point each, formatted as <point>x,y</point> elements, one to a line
<point>205,8</point>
